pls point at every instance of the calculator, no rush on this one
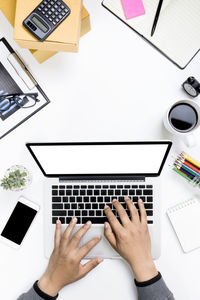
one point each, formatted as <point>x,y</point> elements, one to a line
<point>46,17</point>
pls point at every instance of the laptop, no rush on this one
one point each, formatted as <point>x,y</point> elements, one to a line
<point>80,178</point>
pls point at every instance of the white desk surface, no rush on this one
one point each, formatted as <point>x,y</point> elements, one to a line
<point>117,87</point>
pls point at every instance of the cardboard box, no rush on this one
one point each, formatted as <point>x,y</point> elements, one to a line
<point>8,9</point>
<point>85,22</point>
<point>41,56</point>
<point>64,38</point>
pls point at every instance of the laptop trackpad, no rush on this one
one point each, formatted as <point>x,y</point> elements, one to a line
<point>103,248</point>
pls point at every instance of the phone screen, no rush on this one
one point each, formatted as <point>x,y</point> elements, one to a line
<point>18,223</point>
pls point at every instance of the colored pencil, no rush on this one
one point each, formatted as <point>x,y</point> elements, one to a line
<point>190,170</point>
<point>195,166</point>
<point>183,175</point>
<point>183,158</point>
<point>196,181</point>
<point>191,160</point>
<point>191,166</point>
<point>181,164</point>
<point>180,160</point>
<point>190,177</point>
<point>186,172</point>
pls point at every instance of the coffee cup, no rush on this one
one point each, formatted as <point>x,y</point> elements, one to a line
<point>183,120</point>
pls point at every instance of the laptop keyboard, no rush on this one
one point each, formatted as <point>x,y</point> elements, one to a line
<point>86,202</point>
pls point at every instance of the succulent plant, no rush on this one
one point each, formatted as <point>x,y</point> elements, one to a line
<point>14,180</point>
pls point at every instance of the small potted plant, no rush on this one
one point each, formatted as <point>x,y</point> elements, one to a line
<point>16,178</point>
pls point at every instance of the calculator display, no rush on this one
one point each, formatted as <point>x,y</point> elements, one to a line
<point>39,24</point>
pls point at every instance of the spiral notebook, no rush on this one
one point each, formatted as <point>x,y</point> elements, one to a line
<point>177,34</point>
<point>185,219</point>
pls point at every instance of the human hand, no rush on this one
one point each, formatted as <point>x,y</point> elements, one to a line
<point>65,262</point>
<point>131,238</point>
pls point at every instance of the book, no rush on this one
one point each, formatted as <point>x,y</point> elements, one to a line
<point>185,219</point>
<point>177,32</point>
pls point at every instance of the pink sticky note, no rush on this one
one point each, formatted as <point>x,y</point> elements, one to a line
<point>133,8</point>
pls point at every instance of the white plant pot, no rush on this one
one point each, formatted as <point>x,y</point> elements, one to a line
<point>22,169</point>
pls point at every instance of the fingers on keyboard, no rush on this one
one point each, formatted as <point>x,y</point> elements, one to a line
<point>87,202</point>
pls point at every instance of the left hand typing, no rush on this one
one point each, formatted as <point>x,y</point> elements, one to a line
<point>65,262</point>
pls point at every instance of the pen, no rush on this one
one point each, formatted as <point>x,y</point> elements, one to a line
<point>156,17</point>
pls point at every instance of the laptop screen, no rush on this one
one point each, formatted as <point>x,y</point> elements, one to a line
<point>105,159</point>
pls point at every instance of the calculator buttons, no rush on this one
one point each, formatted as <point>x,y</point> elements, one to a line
<point>52,13</point>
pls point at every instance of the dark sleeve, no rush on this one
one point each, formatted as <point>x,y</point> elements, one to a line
<point>36,294</point>
<point>154,289</point>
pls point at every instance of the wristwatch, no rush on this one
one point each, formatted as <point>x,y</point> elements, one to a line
<point>191,86</point>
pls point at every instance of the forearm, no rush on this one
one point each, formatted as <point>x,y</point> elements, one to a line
<point>154,289</point>
<point>36,294</point>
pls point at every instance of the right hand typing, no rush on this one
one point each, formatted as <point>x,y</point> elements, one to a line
<point>131,238</point>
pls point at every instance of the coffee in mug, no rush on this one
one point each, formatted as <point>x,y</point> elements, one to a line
<point>183,117</point>
<point>183,120</point>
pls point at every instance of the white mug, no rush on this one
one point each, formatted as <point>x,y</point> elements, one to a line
<point>188,137</point>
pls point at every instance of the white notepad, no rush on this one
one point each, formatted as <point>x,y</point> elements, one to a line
<point>177,34</point>
<point>185,218</point>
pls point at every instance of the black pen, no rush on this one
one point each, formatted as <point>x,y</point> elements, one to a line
<point>156,17</point>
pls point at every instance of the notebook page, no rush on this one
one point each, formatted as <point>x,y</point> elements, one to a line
<point>177,33</point>
<point>138,23</point>
<point>185,219</point>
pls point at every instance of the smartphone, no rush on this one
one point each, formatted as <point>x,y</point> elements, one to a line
<point>19,222</point>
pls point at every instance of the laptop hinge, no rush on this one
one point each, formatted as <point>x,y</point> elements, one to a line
<point>102,178</point>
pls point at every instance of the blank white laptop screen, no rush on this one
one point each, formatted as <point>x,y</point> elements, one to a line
<point>105,159</point>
